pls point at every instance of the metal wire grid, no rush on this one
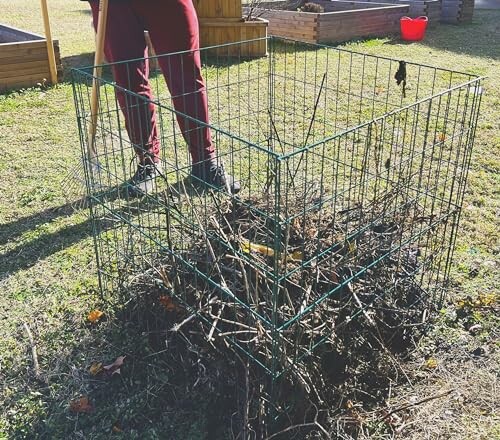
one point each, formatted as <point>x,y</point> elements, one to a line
<point>339,166</point>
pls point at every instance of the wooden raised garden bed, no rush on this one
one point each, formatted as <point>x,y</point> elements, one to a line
<point>340,21</point>
<point>214,32</point>
<point>221,22</point>
<point>457,11</point>
<point>23,58</point>
<point>429,8</point>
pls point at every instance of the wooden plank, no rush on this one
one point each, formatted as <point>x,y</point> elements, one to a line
<point>218,8</point>
<point>27,80</point>
<point>20,71</point>
<point>207,22</point>
<point>8,50</point>
<point>288,15</point>
<point>219,32</point>
<point>21,65</point>
<point>34,56</point>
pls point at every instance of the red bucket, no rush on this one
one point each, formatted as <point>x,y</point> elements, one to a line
<point>413,29</point>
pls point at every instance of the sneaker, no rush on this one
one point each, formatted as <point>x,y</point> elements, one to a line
<point>142,181</point>
<point>214,174</point>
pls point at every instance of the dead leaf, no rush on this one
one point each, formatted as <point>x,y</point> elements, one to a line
<point>167,302</point>
<point>95,368</point>
<point>487,299</point>
<point>116,428</point>
<point>114,368</point>
<point>431,363</point>
<point>482,300</point>
<point>94,316</point>
<point>81,405</point>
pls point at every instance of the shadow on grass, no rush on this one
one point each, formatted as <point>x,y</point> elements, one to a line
<point>28,254</point>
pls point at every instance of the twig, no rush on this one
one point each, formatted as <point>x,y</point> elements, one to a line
<point>246,423</point>
<point>34,354</point>
<point>311,123</point>
<point>214,324</point>
<point>302,425</point>
<point>419,402</point>
<point>178,326</point>
<point>360,305</point>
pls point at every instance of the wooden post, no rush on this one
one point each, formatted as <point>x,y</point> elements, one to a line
<point>98,59</point>
<point>50,44</point>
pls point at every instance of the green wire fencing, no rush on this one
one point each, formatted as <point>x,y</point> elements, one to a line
<point>353,169</point>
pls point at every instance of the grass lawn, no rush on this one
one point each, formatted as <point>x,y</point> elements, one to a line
<point>48,275</point>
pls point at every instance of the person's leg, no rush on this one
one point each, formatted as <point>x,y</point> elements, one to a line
<point>125,40</point>
<point>173,27</point>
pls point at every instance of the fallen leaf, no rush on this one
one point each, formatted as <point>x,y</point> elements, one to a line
<point>248,247</point>
<point>431,363</point>
<point>95,368</point>
<point>167,302</point>
<point>114,368</point>
<point>297,256</point>
<point>487,299</point>
<point>482,300</point>
<point>116,428</point>
<point>81,405</point>
<point>94,316</point>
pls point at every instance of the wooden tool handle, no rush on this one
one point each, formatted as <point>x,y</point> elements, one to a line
<point>50,44</point>
<point>98,60</point>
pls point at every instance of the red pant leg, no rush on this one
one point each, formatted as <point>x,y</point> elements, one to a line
<point>125,41</point>
<point>173,27</point>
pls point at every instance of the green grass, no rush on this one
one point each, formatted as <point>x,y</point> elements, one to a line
<point>48,273</point>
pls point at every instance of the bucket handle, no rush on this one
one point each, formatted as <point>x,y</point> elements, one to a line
<point>421,18</point>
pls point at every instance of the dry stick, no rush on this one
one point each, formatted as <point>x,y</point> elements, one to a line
<point>302,425</point>
<point>419,402</point>
<point>207,240</point>
<point>214,324</point>
<point>178,326</point>
<point>238,258</point>
<point>273,172</point>
<point>361,307</point>
<point>34,354</point>
<point>311,123</point>
<point>224,236</point>
<point>246,413</point>
<point>240,324</point>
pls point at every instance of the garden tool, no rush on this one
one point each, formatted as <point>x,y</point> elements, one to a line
<point>76,178</point>
<point>50,44</point>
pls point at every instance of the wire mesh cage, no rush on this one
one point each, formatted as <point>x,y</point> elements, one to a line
<point>352,168</point>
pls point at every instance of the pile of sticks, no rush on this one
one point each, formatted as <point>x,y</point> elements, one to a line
<point>277,291</point>
<point>287,296</point>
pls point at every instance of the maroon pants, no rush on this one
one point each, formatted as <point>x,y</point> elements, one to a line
<point>173,27</point>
